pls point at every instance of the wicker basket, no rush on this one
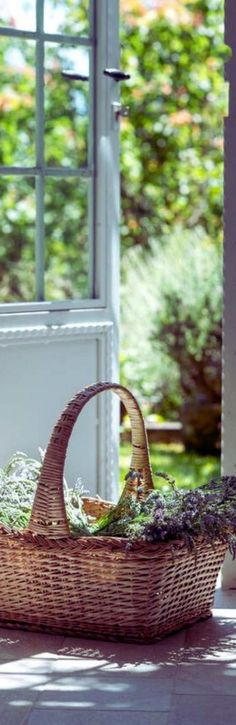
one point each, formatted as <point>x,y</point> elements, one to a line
<point>97,586</point>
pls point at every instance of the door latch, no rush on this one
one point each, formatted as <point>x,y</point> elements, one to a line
<point>119,110</point>
<point>117,74</point>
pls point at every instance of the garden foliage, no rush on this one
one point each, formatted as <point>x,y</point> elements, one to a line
<point>172,349</point>
<point>172,171</point>
<point>171,143</point>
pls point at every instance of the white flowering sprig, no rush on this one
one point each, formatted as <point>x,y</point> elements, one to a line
<point>18,482</point>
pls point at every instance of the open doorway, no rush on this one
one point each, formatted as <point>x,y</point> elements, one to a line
<point>171,231</point>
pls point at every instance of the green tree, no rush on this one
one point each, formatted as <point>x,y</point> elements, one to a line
<point>171,145</point>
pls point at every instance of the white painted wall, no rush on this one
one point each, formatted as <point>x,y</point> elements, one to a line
<point>40,372</point>
<point>39,379</point>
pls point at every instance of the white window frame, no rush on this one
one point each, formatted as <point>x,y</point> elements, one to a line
<point>103,164</point>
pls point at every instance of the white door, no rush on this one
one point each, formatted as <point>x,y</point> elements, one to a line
<point>59,218</point>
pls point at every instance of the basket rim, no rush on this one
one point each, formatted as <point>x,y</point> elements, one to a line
<point>104,544</point>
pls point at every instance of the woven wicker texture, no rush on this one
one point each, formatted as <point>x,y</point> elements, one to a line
<point>48,514</point>
<point>99,587</point>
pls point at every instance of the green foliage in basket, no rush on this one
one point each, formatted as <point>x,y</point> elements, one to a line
<point>166,515</point>
<point>18,481</point>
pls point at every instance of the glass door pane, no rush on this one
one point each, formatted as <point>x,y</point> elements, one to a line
<point>46,150</point>
<point>66,238</point>
<point>70,18</point>
<point>17,102</point>
<point>17,239</point>
<point>66,105</point>
<point>19,14</point>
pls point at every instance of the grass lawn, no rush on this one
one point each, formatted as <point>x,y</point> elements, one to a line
<point>188,469</point>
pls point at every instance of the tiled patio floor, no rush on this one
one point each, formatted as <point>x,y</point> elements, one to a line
<point>187,679</point>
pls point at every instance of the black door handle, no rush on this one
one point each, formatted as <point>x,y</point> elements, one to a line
<point>116,74</point>
<point>74,76</point>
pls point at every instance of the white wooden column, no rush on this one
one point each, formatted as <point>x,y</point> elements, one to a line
<point>229,345</point>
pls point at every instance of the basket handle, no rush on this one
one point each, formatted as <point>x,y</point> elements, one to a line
<point>48,514</point>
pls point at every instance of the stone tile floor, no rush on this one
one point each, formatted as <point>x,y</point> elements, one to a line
<point>186,679</point>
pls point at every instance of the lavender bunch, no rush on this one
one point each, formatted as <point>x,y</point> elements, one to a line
<point>208,511</point>
<point>174,515</point>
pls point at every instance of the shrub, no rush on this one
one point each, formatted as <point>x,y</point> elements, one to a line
<point>171,143</point>
<point>171,331</point>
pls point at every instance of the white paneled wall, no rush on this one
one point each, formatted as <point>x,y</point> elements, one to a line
<point>43,370</point>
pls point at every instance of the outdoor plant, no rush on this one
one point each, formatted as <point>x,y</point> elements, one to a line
<point>18,481</point>
<point>169,515</point>
<point>172,350</point>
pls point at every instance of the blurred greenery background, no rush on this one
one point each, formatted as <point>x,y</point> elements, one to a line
<point>172,182</point>
<point>187,467</point>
